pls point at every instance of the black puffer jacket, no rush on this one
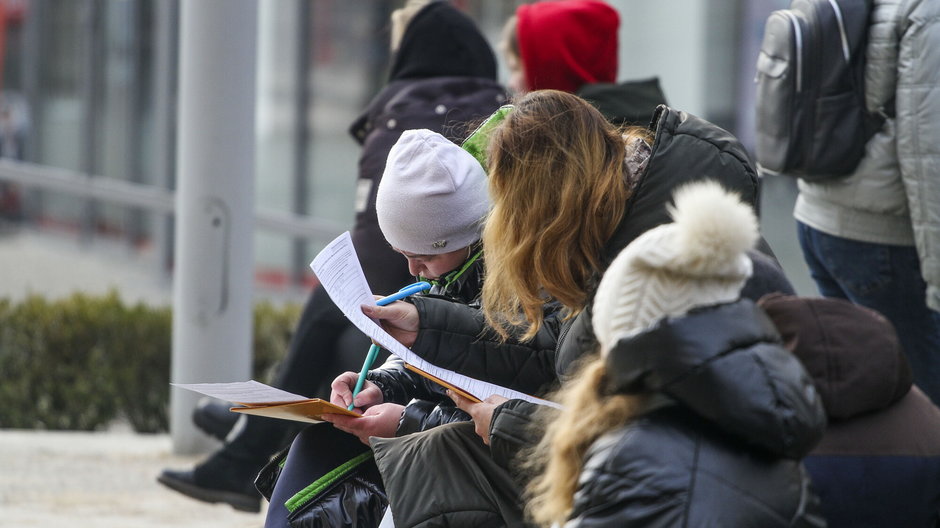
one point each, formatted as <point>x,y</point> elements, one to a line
<point>722,451</point>
<point>685,149</point>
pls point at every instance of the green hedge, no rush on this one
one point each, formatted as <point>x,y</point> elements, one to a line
<point>83,362</point>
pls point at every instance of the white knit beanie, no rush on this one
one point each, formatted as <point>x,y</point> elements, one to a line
<point>432,198</point>
<point>698,260</point>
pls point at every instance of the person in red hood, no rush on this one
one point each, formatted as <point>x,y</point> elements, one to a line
<point>571,45</point>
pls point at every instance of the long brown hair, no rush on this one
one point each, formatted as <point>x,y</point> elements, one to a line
<point>587,413</point>
<point>556,179</point>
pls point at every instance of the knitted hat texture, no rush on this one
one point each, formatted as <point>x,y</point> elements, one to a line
<point>432,198</point>
<point>697,260</point>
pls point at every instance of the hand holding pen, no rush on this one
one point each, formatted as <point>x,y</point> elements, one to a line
<point>400,320</point>
<point>407,291</point>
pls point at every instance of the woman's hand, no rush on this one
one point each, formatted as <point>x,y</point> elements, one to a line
<point>400,320</point>
<point>342,389</point>
<point>482,413</point>
<point>379,420</point>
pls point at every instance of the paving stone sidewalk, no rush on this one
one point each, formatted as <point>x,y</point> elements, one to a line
<point>102,480</point>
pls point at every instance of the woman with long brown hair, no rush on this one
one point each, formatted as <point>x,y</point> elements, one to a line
<point>569,191</point>
<point>558,201</point>
<point>686,415</point>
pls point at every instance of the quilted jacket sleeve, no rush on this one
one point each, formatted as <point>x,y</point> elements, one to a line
<point>455,337</point>
<point>400,385</point>
<point>918,127</point>
<point>881,56</point>
<point>516,425</point>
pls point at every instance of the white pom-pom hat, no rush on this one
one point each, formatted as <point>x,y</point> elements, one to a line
<point>432,198</point>
<point>698,260</point>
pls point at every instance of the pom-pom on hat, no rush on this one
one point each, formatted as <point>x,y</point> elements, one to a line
<point>432,198</point>
<point>698,260</point>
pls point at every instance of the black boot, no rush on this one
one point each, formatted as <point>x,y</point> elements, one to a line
<point>214,418</point>
<point>228,474</point>
<point>219,478</point>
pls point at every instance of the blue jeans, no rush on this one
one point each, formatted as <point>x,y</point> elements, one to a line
<point>886,279</point>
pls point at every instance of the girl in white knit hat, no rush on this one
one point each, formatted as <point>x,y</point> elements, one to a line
<point>430,205</point>
<point>687,416</point>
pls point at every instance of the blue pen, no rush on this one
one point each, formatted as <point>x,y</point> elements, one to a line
<point>407,291</point>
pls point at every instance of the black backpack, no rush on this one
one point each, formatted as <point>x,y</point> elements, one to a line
<point>811,117</point>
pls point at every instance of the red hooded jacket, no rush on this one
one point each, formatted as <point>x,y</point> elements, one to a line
<point>568,43</point>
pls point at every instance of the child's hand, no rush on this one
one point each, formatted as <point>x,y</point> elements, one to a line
<point>399,319</point>
<point>379,420</point>
<point>342,389</point>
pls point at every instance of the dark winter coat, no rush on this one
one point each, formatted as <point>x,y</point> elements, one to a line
<point>443,78</point>
<point>724,449</point>
<point>879,463</point>
<point>685,149</point>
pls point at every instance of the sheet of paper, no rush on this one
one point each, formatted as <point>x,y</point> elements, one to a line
<point>338,269</point>
<point>244,392</point>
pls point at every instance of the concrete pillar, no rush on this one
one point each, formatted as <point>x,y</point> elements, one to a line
<point>680,61</point>
<point>165,86</point>
<point>212,296</point>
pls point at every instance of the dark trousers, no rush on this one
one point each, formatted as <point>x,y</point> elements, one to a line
<point>886,279</point>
